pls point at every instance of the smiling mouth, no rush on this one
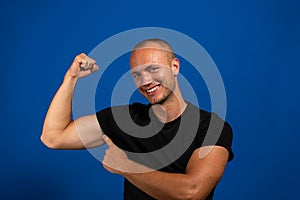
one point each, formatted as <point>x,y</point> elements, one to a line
<point>152,90</point>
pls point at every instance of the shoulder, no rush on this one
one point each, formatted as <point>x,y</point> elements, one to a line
<point>124,111</point>
<point>207,116</point>
<point>132,107</point>
<point>216,130</point>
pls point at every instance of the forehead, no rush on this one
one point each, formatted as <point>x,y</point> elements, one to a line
<point>148,56</point>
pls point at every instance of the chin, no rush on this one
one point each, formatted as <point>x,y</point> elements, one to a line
<point>158,101</point>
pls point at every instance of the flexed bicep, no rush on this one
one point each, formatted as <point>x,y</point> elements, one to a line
<point>89,131</point>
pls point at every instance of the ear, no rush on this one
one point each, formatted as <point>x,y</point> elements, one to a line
<point>175,66</point>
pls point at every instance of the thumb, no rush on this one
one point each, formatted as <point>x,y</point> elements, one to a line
<point>74,69</point>
<point>94,68</point>
<point>75,66</point>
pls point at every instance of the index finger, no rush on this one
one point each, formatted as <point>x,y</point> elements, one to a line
<point>107,140</point>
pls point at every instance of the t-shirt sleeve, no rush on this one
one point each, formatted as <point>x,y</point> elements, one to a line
<point>225,139</point>
<point>103,117</point>
<point>114,122</point>
<point>219,132</point>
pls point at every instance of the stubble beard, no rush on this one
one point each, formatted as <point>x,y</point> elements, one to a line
<point>164,99</point>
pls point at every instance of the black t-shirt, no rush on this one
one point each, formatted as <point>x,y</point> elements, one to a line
<point>164,147</point>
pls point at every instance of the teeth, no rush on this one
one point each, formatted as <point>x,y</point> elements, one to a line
<point>152,89</point>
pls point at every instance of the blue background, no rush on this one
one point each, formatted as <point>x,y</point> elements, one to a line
<point>255,45</point>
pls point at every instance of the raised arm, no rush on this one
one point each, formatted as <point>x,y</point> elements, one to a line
<point>59,131</point>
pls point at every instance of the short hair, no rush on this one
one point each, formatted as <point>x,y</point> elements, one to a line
<point>162,45</point>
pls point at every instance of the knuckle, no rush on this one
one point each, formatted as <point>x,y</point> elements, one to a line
<point>83,54</point>
<point>80,56</point>
<point>77,58</point>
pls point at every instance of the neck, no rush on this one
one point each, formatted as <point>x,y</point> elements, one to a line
<point>171,109</point>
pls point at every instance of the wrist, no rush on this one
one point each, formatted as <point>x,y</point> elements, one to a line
<point>71,77</point>
<point>69,80</point>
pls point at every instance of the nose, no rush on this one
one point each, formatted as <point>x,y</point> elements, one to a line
<point>145,79</point>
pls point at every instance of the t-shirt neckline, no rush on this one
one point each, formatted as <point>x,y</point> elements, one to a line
<point>151,113</point>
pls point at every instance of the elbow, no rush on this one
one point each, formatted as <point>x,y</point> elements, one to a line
<point>190,194</point>
<point>192,191</point>
<point>48,140</point>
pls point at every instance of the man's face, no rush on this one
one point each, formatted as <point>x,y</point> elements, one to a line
<point>153,74</point>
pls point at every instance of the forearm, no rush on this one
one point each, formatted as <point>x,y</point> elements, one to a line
<point>201,176</point>
<point>162,185</point>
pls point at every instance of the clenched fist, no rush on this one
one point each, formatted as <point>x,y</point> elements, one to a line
<point>82,66</point>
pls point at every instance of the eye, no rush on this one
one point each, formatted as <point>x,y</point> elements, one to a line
<point>153,69</point>
<point>136,75</point>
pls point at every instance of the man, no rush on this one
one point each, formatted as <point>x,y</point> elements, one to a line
<point>137,134</point>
